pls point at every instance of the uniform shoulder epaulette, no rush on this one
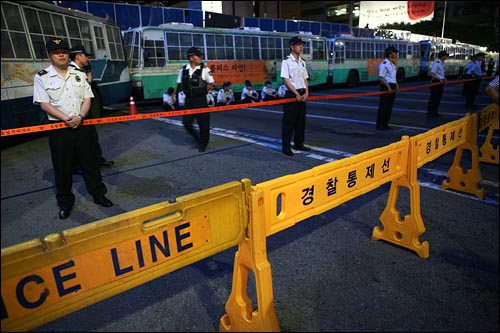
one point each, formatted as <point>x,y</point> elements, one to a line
<point>385,61</point>
<point>42,72</point>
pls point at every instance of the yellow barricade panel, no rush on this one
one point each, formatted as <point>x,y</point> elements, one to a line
<point>294,198</point>
<point>440,140</point>
<point>487,117</point>
<point>45,279</point>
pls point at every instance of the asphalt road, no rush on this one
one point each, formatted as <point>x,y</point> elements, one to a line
<point>328,274</point>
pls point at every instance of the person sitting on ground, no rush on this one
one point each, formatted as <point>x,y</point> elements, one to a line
<point>225,96</point>
<point>282,90</point>
<point>169,99</point>
<point>268,92</point>
<point>211,95</point>
<point>248,94</point>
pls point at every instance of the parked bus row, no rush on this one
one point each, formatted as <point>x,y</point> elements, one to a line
<point>144,62</point>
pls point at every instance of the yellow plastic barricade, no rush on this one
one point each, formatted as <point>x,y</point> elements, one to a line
<point>488,118</point>
<point>43,280</point>
<point>294,198</point>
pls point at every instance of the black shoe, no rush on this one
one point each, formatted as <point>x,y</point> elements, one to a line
<point>430,115</point>
<point>202,149</point>
<point>64,213</point>
<point>387,128</point>
<point>380,128</point>
<point>303,148</point>
<point>288,152</point>
<point>107,164</point>
<point>103,201</point>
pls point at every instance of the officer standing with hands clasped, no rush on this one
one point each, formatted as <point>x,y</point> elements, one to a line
<point>64,94</point>
<point>438,75</point>
<point>294,75</point>
<point>387,73</point>
<point>193,80</point>
<point>79,60</point>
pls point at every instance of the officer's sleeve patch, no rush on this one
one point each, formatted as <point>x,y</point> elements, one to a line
<point>42,72</point>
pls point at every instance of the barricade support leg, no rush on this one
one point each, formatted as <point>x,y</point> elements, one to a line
<point>404,232</point>
<point>251,255</point>
<point>469,180</point>
<point>489,154</point>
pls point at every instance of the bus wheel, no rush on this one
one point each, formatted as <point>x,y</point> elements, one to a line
<point>400,76</point>
<point>352,79</point>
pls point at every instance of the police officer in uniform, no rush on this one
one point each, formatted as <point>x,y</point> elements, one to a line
<point>473,71</point>
<point>387,73</point>
<point>64,94</point>
<point>438,75</point>
<point>294,75</point>
<point>193,80</point>
<point>79,60</point>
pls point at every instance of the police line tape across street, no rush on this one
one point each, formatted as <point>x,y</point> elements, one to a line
<point>175,113</point>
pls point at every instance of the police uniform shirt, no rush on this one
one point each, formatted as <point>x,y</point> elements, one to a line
<point>249,92</point>
<point>387,70</point>
<point>295,71</point>
<point>73,64</point>
<point>224,96</point>
<point>167,99</point>
<point>282,90</point>
<point>267,91</point>
<point>67,94</point>
<point>476,69</point>
<point>210,99</point>
<point>438,69</point>
<point>205,74</point>
<point>469,67</point>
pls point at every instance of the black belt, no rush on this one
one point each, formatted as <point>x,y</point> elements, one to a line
<point>301,91</point>
<point>391,84</point>
<point>434,80</point>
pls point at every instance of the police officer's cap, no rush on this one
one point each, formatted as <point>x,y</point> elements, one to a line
<point>295,40</point>
<point>480,54</point>
<point>227,84</point>
<point>195,51</point>
<point>390,49</point>
<point>79,49</point>
<point>443,53</point>
<point>56,43</point>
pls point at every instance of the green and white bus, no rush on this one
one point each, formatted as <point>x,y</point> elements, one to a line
<point>26,26</point>
<point>157,53</point>
<point>459,55</point>
<point>354,60</point>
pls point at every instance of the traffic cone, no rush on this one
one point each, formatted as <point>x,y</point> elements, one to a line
<point>133,109</point>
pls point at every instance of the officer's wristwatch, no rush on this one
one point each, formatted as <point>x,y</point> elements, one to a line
<point>81,116</point>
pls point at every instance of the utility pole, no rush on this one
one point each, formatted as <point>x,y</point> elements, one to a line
<point>444,19</point>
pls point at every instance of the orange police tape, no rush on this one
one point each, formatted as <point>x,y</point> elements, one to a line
<point>132,116</point>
